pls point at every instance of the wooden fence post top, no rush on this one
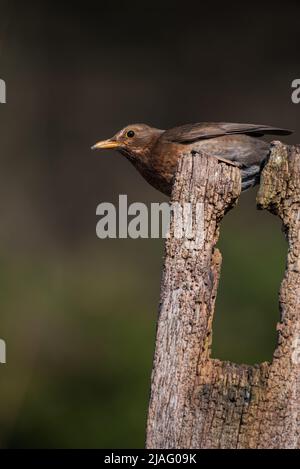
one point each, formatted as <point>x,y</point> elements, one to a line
<point>198,402</point>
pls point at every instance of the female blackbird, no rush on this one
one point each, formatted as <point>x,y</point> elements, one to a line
<point>155,152</point>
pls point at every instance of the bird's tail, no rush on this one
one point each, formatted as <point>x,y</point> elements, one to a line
<point>250,177</point>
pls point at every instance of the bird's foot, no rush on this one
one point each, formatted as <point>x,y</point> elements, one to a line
<point>224,160</point>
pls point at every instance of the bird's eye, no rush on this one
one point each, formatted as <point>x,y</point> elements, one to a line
<point>130,133</point>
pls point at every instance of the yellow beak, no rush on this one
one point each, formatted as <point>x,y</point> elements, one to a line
<point>105,144</point>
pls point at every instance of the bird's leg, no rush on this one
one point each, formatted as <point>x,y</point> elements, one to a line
<point>224,160</point>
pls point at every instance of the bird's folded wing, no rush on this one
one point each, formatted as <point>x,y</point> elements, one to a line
<point>192,132</point>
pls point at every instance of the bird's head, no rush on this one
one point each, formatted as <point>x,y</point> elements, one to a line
<point>134,141</point>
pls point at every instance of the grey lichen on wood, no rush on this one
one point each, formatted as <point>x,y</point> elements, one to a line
<point>199,402</point>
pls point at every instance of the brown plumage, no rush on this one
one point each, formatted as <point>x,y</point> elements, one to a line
<point>155,152</point>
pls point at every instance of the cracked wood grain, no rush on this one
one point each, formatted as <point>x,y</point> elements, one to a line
<point>199,402</point>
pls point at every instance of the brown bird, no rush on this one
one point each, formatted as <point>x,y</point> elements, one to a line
<point>155,152</point>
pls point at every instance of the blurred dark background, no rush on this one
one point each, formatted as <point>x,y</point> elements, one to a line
<point>77,313</point>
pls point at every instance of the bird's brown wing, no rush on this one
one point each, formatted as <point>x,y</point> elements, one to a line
<point>203,130</point>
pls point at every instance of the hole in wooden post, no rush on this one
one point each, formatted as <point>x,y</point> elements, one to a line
<point>254,255</point>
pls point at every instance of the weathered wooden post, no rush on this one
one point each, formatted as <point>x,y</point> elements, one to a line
<point>199,402</point>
